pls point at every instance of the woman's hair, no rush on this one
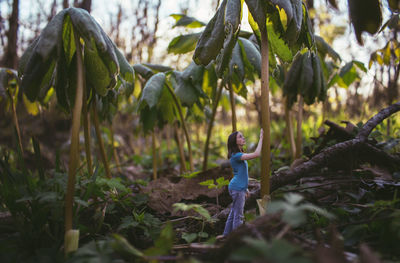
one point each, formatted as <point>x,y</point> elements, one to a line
<point>232,145</point>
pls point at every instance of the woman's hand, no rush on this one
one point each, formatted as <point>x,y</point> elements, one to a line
<point>247,193</point>
<point>261,134</point>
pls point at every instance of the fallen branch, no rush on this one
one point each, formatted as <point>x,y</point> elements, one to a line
<point>355,150</point>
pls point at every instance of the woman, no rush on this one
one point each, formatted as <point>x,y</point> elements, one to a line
<point>238,185</point>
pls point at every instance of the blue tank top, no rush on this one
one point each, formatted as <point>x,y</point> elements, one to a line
<point>240,179</point>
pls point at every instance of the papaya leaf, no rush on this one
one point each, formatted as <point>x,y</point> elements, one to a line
<point>166,108</point>
<point>143,71</point>
<point>127,75</point>
<point>157,68</point>
<point>183,44</point>
<point>365,15</point>
<point>186,21</point>
<point>152,90</point>
<point>325,49</point>
<point>236,64</point>
<point>212,38</point>
<point>257,11</point>
<point>251,57</point>
<point>278,46</point>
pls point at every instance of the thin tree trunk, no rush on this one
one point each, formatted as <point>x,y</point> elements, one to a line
<point>182,158</point>
<point>299,131</point>
<point>211,124</point>
<point>113,149</point>
<point>289,131</point>
<point>154,151</point>
<point>86,131</point>
<point>265,115</point>
<point>103,155</point>
<point>167,131</point>
<point>65,4</point>
<point>10,59</point>
<point>15,119</point>
<point>85,4</point>
<point>74,148</point>
<point>233,107</point>
<point>185,130</point>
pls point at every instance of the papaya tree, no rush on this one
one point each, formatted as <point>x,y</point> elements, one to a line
<point>220,34</point>
<point>162,98</point>
<point>152,114</point>
<point>240,67</point>
<point>75,56</point>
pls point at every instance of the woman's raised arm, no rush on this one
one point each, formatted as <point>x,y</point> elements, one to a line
<point>257,152</point>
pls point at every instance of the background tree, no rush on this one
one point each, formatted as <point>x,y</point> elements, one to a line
<point>10,58</point>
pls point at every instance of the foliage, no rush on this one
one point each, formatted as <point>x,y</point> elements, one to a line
<point>52,57</point>
<point>219,183</point>
<point>305,78</point>
<point>275,250</point>
<point>293,212</point>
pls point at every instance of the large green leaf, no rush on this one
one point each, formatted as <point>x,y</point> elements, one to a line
<point>186,21</point>
<point>251,57</point>
<point>278,46</point>
<point>148,118</point>
<point>325,49</point>
<point>257,11</point>
<point>97,74</point>
<point>348,73</point>
<point>152,91</point>
<point>126,78</point>
<point>157,67</point>
<point>188,85</point>
<point>365,15</point>
<point>287,6</point>
<point>212,38</point>
<point>236,64</point>
<point>294,26</point>
<point>144,71</point>
<point>224,56</point>
<point>183,44</point>
<point>43,57</point>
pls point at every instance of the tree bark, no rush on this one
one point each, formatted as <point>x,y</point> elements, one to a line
<point>74,148</point>
<point>65,4</point>
<point>265,115</point>
<point>299,136</point>
<point>233,106</point>
<point>85,4</point>
<point>10,59</point>
<point>289,131</point>
<point>211,124</point>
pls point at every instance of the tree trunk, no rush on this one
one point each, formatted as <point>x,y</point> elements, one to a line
<point>74,148</point>
<point>113,149</point>
<point>265,115</point>
<point>65,4</point>
<point>299,131</point>
<point>15,120</point>
<point>289,131</point>
<point>211,124</point>
<point>233,106</point>
<point>182,158</point>
<point>185,130</point>
<point>103,155</point>
<point>154,152</point>
<point>10,59</point>
<point>84,4</point>
<point>86,131</point>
